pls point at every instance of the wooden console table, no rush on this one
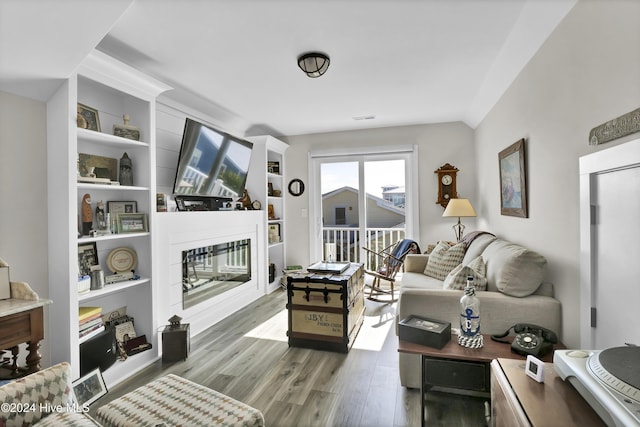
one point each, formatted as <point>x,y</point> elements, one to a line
<point>517,400</point>
<point>22,321</point>
<point>459,369</point>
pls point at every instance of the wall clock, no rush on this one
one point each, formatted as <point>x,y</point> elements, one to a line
<point>447,189</point>
<point>296,187</point>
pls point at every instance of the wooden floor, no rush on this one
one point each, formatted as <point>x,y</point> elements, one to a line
<point>246,356</point>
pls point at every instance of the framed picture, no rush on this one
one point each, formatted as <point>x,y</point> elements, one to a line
<point>104,167</point>
<point>88,118</point>
<point>87,257</point>
<point>89,388</point>
<point>270,189</point>
<point>273,167</point>
<point>513,185</point>
<point>274,233</point>
<point>131,223</point>
<point>118,207</point>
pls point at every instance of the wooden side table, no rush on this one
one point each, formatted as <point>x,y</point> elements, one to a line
<point>22,321</point>
<point>459,369</point>
<point>517,400</point>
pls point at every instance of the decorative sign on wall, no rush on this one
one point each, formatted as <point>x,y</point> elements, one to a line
<point>617,128</point>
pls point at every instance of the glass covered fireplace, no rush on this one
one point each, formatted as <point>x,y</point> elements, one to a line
<point>211,270</point>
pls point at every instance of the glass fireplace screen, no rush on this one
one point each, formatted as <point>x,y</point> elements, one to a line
<point>211,270</point>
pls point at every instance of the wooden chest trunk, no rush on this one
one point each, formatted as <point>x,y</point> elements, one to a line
<point>326,311</point>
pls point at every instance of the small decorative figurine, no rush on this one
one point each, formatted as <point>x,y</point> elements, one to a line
<point>87,215</point>
<point>245,200</point>
<point>101,217</point>
<point>126,130</point>
<point>126,170</point>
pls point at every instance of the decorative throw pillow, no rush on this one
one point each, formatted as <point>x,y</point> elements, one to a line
<point>443,259</point>
<point>457,279</point>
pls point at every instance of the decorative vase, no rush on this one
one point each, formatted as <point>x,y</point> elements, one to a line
<point>126,170</point>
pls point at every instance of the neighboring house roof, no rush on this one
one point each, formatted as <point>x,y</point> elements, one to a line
<point>390,190</point>
<point>381,203</point>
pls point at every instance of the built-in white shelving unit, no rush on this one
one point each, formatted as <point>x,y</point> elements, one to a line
<point>266,183</point>
<point>113,89</point>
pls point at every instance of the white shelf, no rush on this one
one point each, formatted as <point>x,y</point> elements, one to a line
<point>111,288</point>
<point>268,149</point>
<point>112,89</point>
<point>105,138</point>
<point>89,186</point>
<point>112,237</point>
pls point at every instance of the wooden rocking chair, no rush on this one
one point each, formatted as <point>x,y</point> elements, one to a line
<point>389,261</point>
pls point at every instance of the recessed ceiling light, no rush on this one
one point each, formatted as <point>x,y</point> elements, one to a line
<point>370,117</point>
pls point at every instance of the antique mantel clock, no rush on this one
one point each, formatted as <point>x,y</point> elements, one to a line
<point>446,184</point>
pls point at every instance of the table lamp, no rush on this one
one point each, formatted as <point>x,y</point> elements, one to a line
<point>459,208</point>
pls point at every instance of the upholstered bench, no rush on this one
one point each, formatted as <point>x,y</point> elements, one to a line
<point>175,401</point>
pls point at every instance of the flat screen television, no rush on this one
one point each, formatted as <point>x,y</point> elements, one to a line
<point>212,163</point>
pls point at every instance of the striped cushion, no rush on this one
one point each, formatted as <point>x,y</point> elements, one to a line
<point>176,401</point>
<point>49,388</point>
<point>443,259</point>
<point>457,279</point>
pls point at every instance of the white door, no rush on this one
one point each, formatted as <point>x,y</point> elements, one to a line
<point>610,247</point>
<point>617,258</point>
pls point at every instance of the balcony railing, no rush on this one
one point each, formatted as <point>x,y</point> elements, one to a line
<point>349,244</point>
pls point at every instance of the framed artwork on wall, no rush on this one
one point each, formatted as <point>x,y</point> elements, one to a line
<point>513,184</point>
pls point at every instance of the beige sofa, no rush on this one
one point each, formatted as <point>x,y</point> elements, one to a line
<point>515,292</point>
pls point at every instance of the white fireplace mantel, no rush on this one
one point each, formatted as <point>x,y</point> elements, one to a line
<point>178,231</point>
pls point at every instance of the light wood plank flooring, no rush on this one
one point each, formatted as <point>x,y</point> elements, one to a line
<point>246,356</point>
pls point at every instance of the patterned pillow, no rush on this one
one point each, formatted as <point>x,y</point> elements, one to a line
<point>457,279</point>
<point>443,259</point>
<point>50,387</point>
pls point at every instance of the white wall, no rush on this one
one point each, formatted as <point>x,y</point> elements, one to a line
<point>23,195</point>
<point>437,144</point>
<point>588,72</point>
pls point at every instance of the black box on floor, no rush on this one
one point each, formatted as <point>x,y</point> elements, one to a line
<point>425,331</point>
<point>176,343</point>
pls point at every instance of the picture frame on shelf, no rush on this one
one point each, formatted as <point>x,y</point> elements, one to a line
<point>131,223</point>
<point>103,167</point>
<point>87,257</point>
<point>513,183</point>
<point>274,233</point>
<point>270,189</point>
<point>115,207</point>
<point>88,118</point>
<point>89,388</point>
<point>273,167</point>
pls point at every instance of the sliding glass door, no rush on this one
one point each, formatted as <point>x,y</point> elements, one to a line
<point>361,200</point>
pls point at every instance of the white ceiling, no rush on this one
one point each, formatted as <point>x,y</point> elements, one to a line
<point>403,61</point>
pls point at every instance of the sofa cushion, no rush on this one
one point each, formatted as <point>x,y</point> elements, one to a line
<point>44,389</point>
<point>513,269</point>
<point>443,259</point>
<point>477,246</point>
<point>457,279</point>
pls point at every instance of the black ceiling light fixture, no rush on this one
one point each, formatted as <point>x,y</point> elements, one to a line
<point>314,64</point>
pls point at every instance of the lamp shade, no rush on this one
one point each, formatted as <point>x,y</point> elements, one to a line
<point>459,208</point>
<point>314,64</point>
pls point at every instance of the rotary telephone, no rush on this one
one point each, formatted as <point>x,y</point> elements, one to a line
<point>530,339</point>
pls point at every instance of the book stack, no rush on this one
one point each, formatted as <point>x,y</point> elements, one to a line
<point>90,322</point>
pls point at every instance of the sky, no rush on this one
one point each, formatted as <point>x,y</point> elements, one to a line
<point>377,174</point>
